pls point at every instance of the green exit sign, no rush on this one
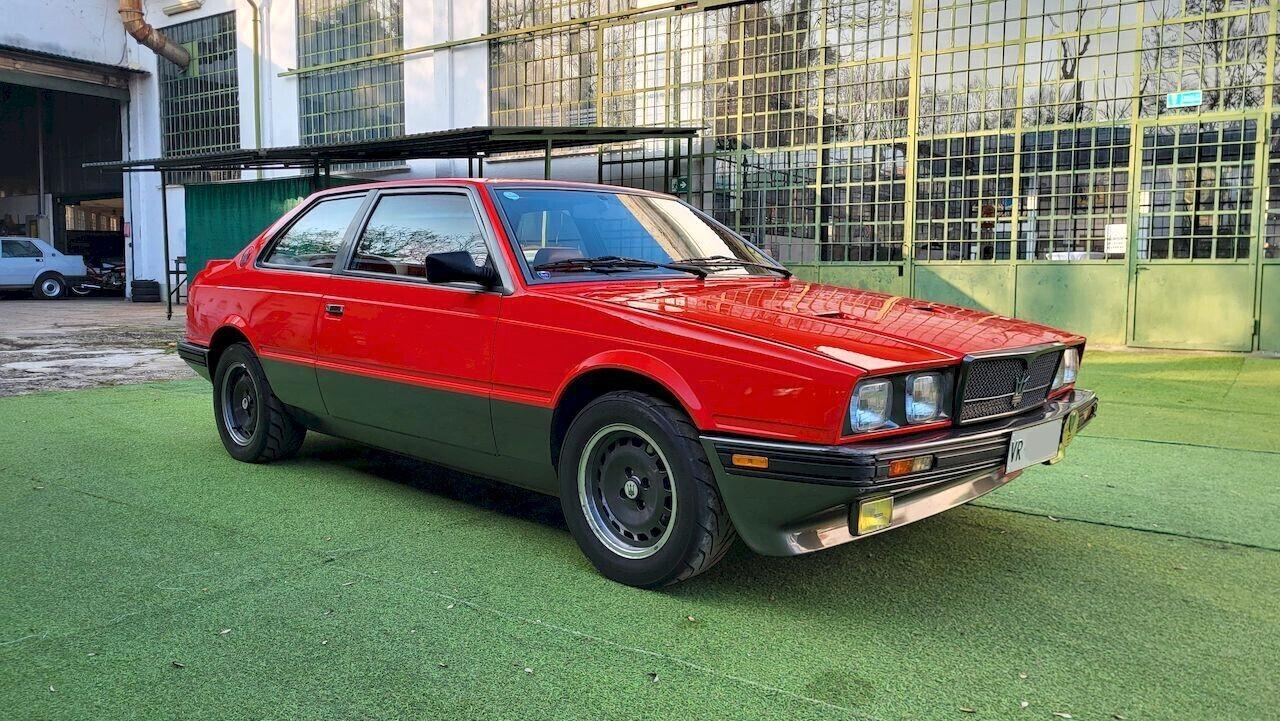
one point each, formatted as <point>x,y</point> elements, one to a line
<point>680,184</point>
<point>1184,99</point>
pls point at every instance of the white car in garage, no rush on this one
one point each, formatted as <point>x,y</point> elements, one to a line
<point>32,264</point>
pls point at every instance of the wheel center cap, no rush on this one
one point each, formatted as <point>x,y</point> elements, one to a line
<point>244,403</point>
<point>631,489</point>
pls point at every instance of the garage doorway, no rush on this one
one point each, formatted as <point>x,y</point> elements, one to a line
<point>45,192</point>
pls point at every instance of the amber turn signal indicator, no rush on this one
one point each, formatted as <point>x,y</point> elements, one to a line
<point>903,466</point>
<point>743,460</point>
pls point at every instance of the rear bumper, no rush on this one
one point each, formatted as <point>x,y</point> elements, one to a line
<point>196,356</point>
<point>803,501</point>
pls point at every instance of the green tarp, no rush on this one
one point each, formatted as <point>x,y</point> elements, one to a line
<point>223,217</point>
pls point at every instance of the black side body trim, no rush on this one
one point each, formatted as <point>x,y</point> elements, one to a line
<point>193,354</point>
<point>196,356</point>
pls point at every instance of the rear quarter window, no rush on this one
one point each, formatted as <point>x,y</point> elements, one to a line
<point>16,248</point>
<point>313,240</point>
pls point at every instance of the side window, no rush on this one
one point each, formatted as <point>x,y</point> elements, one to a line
<point>17,248</point>
<point>404,229</point>
<point>313,239</point>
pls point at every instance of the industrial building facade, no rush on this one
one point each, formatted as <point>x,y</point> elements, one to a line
<point>1108,166</point>
<point>1104,165</point>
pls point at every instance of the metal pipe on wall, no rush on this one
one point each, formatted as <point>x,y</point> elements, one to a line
<point>131,15</point>
<point>257,76</point>
<point>164,211</point>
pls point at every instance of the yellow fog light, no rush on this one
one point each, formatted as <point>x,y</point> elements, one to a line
<point>1070,427</point>
<point>874,514</point>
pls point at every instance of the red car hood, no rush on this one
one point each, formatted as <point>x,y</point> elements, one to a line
<point>872,331</point>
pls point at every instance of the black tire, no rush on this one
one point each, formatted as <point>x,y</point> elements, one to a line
<point>50,286</point>
<point>628,441</point>
<point>254,425</point>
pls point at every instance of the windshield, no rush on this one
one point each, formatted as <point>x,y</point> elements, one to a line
<point>559,231</point>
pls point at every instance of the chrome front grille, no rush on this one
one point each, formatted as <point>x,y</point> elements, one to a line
<point>1007,384</point>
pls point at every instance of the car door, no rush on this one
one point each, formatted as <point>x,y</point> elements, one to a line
<point>20,262</point>
<point>281,303</point>
<point>399,353</point>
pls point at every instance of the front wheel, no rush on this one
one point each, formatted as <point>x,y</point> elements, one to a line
<point>638,492</point>
<point>253,423</point>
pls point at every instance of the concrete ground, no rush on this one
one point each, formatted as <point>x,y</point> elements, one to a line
<point>63,345</point>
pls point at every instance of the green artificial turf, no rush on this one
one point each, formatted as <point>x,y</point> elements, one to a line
<point>351,583</point>
<point>1184,444</point>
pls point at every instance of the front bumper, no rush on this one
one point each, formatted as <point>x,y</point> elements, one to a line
<point>803,500</point>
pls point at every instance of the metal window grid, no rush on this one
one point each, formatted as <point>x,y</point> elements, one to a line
<point>1012,126</point>
<point>1198,182</point>
<point>200,106</point>
<point>364,101</point>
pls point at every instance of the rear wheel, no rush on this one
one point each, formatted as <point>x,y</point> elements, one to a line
<point>50,286</point>
<point>638,492</point>
<point>254,425</point>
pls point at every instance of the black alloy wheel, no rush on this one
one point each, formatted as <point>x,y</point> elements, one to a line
<point>638,492</point>
<point>239,404</point>
<point>254,425</point>
<point>626,492</point>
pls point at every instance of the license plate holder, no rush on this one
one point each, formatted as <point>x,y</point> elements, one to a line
<point>1032,445</point>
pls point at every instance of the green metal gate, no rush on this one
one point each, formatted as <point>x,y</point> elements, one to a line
<point>1194,253</point>
<point>223,217</point>
<point>1269,261</point>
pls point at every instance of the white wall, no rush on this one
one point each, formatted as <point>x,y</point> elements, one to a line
<point>443,89</point>
<point>81,29</point>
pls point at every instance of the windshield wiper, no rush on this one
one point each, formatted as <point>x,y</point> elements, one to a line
<point>724,261</point>
<point>616,264</point>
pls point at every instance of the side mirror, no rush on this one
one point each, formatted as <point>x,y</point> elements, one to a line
<point>458,266</point>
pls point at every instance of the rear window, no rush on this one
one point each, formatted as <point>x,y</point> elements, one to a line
<point>312,241</point>
<point>15,248</point>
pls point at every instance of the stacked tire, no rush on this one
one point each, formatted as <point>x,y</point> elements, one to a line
<point>146,291</point>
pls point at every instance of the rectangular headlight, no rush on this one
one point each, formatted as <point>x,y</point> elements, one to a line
<point>1068,368</point>
<point>924,398</point>
<point>870,408</point>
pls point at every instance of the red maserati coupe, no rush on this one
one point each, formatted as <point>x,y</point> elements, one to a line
<point>670,382</point>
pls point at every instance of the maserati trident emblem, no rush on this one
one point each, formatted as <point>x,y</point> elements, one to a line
<point>1019,387</point>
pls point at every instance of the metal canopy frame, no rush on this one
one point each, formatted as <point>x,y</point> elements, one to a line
<point>475,144</point>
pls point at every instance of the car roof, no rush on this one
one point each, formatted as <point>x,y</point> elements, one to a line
<point>491,182</point>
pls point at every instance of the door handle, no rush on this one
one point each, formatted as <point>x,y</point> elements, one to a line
<point>333,309</point>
